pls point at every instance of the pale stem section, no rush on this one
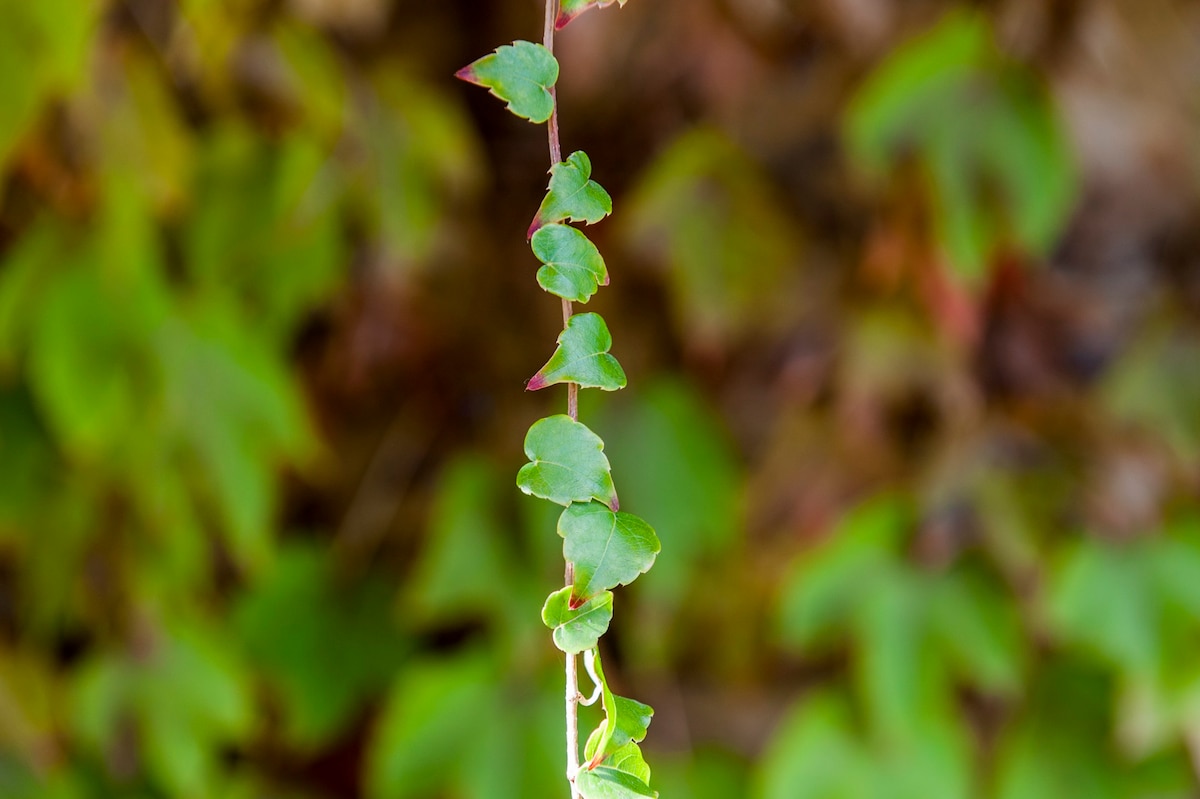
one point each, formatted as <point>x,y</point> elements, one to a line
<point>572,691</point>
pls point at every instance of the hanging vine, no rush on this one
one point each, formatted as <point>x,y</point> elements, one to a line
<point>603,546</point>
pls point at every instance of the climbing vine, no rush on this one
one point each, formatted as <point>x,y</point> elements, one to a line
<point>603,546</point>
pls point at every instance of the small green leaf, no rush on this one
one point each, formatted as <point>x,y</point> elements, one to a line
<point>629,721</point>
<point>521,74</point>
<point>625,721</point>
<point>568,463</point>
<point>582,357</point>
<point>573,8</point>
<point>577,628</point>
<point>604,782</point>
<point>572,195</point>
<point>608,549</point>
<point>629,759</point>
<point>573,267</point>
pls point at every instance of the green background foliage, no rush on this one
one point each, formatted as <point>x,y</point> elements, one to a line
<point>908,301</point>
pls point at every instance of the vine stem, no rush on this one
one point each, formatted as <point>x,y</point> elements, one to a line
<point>572,667</point>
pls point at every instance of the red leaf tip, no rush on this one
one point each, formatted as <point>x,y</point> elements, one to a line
<point>575,602</point>
<point>536,382</point>
<point>467,74</point>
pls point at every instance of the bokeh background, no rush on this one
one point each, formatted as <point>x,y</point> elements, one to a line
<point>908,292</point>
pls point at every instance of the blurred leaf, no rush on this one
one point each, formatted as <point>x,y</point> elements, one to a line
<point>567,463</point>
<point>145,138</point>
<point>326,646</point>
<point>582,357</point>
<point>189,700</point>
<point>813,755</point>
<point>572,195</point>
<point>520,74</point>
<point>573,266</point>
<point>317,82</point>
<point>43,51</point>
<point>1104,599</point>
<point>1059,749</point>
<point>90,364</point>
<point>465,567</point>
<point>705,211</point>
<point>237,414</point>
<point>980,629</point>
<point>421,154</point>
<point>1000,174</point>
<point>27,267</point>
<point>263,228</point>
<point>824,586</point>
<point>896,672</point>
<point>431,718</point>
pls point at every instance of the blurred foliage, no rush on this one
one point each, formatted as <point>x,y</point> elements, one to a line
<point>909,301</point>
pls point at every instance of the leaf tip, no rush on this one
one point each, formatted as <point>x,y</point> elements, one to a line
<point>536,382</point>
<point>534,227</point>
<point>467,74</point>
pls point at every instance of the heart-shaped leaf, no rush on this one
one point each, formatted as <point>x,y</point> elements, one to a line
<point>577,628</point>
<point>573,266</point>
<point>582,357</point>
<point>567,463</point>
<point>572,195</point>
<point>605,782</point>
<point>573,8</point>
<point>608,549</point>
<point>520,74</point>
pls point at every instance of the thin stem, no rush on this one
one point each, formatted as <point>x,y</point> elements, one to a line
<point>572,669</point>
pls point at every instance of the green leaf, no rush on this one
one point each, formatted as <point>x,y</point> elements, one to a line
<point>520,74</point>
<point>1104,599</point>
<point>604,782</point>
<point>630,760</point>
<point>572,195</point>
<point>814,755</point>
<point>608,549</point>
<point>582,357</point>
<point>465,571</point>
<point>568,463</point>
<point>577,627</point>
<point>1000,176</point>
<point>625,721</point>
<point>824,586</point>
<point>573,267</point>
<point>427,724</point>
<point>708,214</point>
<point>979,629</point>
<point>339,649</point>
<point>570,9</point>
